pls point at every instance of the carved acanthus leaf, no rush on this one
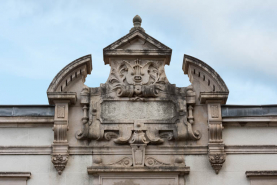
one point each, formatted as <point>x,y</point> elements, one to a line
<point>138,138</point>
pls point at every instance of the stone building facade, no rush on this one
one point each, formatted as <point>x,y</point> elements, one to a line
<point>138,128</point>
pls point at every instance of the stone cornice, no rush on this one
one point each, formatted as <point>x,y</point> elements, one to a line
<point>220,97</point>
<point>25,150</point>
<point>61,96</point>
<point>200,71</point>
<point>251,149</point>
<point>132,34</point>
<point>23,122</point>
<point>113,50</point>
<point>160,169</point>
<point>60,79</point>
<point>268,173</point>
<point>15,175</point>
<point>182,150</point>
<point>270,121</point>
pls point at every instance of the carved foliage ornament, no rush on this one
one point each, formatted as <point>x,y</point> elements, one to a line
<point>217,161</point>
<point>137,78</point>
<point>59,162</point>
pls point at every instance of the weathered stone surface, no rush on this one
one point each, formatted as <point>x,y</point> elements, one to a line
<point>138,128</point>
<point>131,111</point>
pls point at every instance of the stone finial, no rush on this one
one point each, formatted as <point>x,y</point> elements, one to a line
<point>137,23</point>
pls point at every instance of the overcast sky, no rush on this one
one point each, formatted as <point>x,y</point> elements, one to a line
<point>236,38</point>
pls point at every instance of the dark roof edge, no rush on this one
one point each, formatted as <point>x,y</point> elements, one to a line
<point>232,105</point>
<point>27,105</point>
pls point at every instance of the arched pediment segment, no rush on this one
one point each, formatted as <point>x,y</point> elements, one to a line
<point>78,69</point>
<point>207,78</point>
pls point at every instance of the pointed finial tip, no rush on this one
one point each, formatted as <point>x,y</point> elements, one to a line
<point>137,21</point>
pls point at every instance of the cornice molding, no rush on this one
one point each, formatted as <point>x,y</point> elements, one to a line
<point>268,173</point>
<point>15,175</point>
<point>78,68</point>
<point>26,122</point>
<point>182,150</point>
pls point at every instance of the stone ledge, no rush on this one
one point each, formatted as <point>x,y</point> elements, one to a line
<point>14,122</point>
<point>269,173</point>
<point>190,150</point>
<point>15,174</point>
<point>56,96</point>
<point>112,169</point>
<point>221,97</point>
<point>25,150</point>
<point>250,121</point>
<point>251,149</point>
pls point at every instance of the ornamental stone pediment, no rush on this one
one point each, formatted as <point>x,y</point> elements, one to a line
<point>138,120</point>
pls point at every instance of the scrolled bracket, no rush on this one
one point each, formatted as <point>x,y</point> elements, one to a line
<point>216,154</point>
<point>193,135</point>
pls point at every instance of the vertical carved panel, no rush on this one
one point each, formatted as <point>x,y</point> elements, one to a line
<point>214,111</point>
<point>61,111</point>
<point>60,132</point>
<point>60,145</point>
<point>216,153</point>
<point>138,152</point>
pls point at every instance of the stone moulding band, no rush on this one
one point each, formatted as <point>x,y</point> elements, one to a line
<point>268,173</point>
<point>187,150</point>
<point>160,169</point>
<point>15,174</point>
<point>24,122</point>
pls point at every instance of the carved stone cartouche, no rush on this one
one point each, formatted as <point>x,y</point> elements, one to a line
<point>138,80</point>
